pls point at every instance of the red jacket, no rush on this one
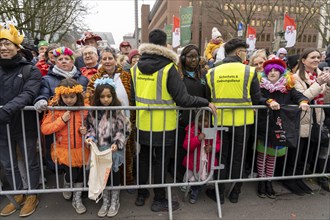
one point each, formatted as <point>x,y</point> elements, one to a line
<point>196,144</point>
<point>43,67</point>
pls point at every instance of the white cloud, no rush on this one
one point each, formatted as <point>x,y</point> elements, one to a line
<point>117,17</point>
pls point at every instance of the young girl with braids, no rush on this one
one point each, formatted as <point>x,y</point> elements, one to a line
<point>109,129</point>
<point>277,88</point>
<point>68,150</point>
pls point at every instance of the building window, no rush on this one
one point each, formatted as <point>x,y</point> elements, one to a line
<point>262,37</point>
<point>314,39</point>
<point>225,22</point>
<point>259,8</point>
<point>258,23</point>
<point>304,38</point>
<point>264,8</point>
<point>292,9</point>
<point>276,8</point>
<point>309,38</point>
<point>253,22</point>
<point>302,9</point>
<point>268,37</point>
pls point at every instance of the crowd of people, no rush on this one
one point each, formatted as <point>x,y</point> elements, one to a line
<point>155,76</point>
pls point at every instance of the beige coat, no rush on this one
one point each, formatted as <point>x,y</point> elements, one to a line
<point>314,90</point>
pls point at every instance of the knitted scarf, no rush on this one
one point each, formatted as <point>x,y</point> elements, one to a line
<point>318,100</point>
<point>88,72</point>
<point>66,74</point>
<point>280,85</point>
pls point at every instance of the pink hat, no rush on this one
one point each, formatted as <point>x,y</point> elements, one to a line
<point>124,44</point>
<point>131,54</point>
<point>274,63</point>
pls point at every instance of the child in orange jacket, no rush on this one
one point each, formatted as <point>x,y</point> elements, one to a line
<point>68,148</point>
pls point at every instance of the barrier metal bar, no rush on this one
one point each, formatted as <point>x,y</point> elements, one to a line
<point>170,184</point>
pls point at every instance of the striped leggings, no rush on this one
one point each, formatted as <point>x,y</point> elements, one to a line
<point>265,168</point>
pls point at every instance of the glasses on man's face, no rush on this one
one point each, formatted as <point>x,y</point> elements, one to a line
<point>89,53</point>
<point>6,44</point>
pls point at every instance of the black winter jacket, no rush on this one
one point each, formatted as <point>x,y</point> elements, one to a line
<point>292,97</point>
<point>51,80</point>
<point>17,90</point>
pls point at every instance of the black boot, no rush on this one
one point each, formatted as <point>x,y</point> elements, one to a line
<point>303,186</point>
<point>324,182</point>
<point>261,189</point>
<point>211,194</point>
<point>269,190</point>
<point>293,187</point>
<point>234,194</point>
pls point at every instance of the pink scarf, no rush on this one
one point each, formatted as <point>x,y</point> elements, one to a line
<point>318,100</point>
<point>280,85</point>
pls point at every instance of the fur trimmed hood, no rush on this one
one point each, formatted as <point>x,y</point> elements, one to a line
<point>158,50</point>
<point>154,57</point>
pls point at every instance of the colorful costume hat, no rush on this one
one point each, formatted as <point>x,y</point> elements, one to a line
<point>11,33</point>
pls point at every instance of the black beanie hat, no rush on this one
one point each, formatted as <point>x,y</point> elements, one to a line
<point>158,36</point>
<point>292,61</point>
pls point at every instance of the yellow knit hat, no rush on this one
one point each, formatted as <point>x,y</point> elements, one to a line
<point>11,34</point>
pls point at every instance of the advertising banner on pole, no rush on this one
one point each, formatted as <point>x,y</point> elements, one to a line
<point>186,15</point>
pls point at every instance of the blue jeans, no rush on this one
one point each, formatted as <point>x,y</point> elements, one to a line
<point>33,162</point>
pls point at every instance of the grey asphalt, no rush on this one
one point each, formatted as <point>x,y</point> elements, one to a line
<point>250,206</point>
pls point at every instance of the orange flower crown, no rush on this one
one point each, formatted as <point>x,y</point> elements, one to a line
<point>60,90</point>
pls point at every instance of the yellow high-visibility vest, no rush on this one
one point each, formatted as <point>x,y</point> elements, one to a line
<point>151,90</point>
<point>230,86</point>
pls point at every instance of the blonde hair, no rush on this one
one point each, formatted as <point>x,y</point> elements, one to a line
<point>258,53</point>
<point>121,58</point>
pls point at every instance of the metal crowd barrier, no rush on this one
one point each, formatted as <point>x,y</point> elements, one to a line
<point>213,175</point>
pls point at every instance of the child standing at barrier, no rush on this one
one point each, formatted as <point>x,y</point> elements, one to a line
<point>109,129</point>
<point>68,148</point>
<point>203,146</point>
<point>277,88</point>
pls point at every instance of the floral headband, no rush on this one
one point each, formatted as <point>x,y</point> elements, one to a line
<point>63,50</point>
<point>60,90</point>
<point>105,80</point>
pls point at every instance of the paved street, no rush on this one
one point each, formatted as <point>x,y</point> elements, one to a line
<point>250,206</point>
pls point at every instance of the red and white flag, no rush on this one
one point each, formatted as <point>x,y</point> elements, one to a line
<point>251,37</point>
<point>176,32</point>
<point>290,31</point>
